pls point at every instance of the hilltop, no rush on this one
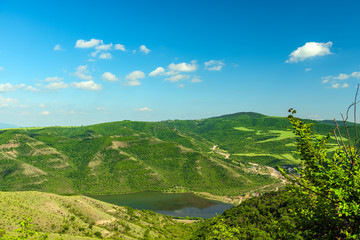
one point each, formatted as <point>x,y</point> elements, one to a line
<point>228,155</point>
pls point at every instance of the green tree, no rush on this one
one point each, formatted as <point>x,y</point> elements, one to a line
<point>328,183</point>
<point>24,232</point>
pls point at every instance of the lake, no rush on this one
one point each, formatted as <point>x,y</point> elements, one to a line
<point>172,204</point>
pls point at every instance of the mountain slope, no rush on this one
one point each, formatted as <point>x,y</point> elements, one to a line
<point>74,217</point>
<point>215,155</point>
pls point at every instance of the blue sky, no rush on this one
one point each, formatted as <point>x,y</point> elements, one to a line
<point>86,62</point>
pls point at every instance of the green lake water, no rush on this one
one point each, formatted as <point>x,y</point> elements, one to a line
<point>172,204</point>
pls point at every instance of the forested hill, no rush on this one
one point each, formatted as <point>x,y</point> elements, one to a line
<point>220,155</point>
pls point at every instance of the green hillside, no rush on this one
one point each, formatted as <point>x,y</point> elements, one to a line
<point>266,217</point>
<point>223,156</point>
<point>80,217</point>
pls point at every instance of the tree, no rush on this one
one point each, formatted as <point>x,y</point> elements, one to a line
<point>328,183</point>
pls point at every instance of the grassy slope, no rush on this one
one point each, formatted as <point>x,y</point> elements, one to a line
<point>75,217</point>
<point>127,156</point>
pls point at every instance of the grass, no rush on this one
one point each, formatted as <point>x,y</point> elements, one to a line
<point>244,129</point>
<point>281,135</point>
<point>80,217</point>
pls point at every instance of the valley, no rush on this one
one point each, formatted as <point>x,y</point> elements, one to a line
<point>230,159</point>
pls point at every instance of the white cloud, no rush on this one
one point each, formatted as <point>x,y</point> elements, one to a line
<point>7,87</point>
<point>53,79</point>
<point>337,85</point>
<point>157,71</point>
<point>45,113</point>
<point>355,74</point>
<point>105,56</point>
<point>309,50</point>
<point>88,44</point>
<point>196,79</point>
<point>177,78</point>
<point>56,85</point>
<point>87,85</point>
<point>133,78</point>
<point>145,109</point>
<point>120,47</point>
<point>42,105</point>
<point>1,69</point>
<point>182,67</point>
<point>108,76</point>
<point>32,89</point>
<point>144,49</point>
<point>214,65</point>
<point>81,72</point>
<point>95,53</point>
<point>342,76</point>
<point>104,47</point>
<point>308,69</point>
<point>5,102</point>
<point>170,73</point>
<point>58,47</point>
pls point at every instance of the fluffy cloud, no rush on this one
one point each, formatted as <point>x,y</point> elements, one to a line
<point>133,78</point>
<point>104,47</point>
<point>309,50</point>
<point>182,67</point>
<point>214,65</point>
<point>32,89</point>
<point>105,56</point>
<point>87,85</point>
<point>308,69</point>
<point>145,109</point>
<point>196,79</point>
<point>5,102</point>
<point>338,85</point>
<point>341,76</point>
<point>53,79</point>
<point>56,85</point>
<point>45,113</point>
<point>157,71</point>
<point>88,44</point>
<point>177,78</point>
<point>58,47</point>
<point>144,49</point>
<point>120,47</point>
<point>82,73</point>
<point>108,76</point>
<point>8,87</point>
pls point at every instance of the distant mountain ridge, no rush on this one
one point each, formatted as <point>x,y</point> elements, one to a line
<point>215,155</point>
